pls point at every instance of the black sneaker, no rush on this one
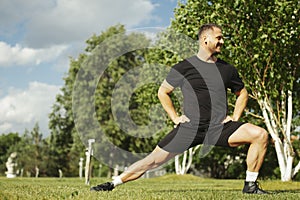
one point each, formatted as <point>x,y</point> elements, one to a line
<point>108,186</point>
<point>253,188</point>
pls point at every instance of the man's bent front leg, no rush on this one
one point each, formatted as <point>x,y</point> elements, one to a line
<point>156,158</point>
<point>257,138</point>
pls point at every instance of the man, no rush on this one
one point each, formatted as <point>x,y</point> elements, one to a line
<point>204,80</point>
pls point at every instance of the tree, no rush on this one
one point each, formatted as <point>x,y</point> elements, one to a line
<point>94,95</point>
<point>36,150</point>
<point>31,151</point>
<point>262,38</point>
<point>6,142</point>
<point>66,148</point>
<point>117,79</point>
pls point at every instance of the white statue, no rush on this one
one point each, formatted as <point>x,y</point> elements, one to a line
<point>11,165</point>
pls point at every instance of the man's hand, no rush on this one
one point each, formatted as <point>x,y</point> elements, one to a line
<point>180,119</point>
<point>227,119</point>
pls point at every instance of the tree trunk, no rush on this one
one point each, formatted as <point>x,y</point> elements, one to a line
<point>187,160</point>
<point>284,150</point>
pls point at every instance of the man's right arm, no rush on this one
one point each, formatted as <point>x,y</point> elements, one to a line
<point>163,94</point>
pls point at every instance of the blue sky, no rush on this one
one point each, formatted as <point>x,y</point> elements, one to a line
<point>38,37</point>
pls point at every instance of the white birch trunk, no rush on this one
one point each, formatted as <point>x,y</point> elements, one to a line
<point>184,166</point>
<point>274,135</point>
<point>191,154</point>
<point>284,150</point>
<point>177,165</point>
<point>296,169</point>
<point>287,176</point>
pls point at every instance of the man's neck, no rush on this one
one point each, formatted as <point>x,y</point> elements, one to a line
<point>206,57</point>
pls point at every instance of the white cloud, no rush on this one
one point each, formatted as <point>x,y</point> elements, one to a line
<point>22,109</point>
<point>36,32</point>
<point>47,30</point>
<point>49,22</point>
<point>18,55</point>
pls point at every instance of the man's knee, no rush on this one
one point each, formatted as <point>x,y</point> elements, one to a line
<point>149,161</point>
<point>260,135</point>
<point>154,160</point>
<point>159,157</point>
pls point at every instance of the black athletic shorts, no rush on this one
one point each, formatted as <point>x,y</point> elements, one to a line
<point>186,135</point>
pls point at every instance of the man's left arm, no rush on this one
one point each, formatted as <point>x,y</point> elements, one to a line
<point>240,104</point>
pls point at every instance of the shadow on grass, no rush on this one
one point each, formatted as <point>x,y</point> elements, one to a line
<point>285,191</point>
<point>196,190</point>
<point>295,191</point>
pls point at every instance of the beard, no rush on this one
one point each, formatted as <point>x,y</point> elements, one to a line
<point>216,53</point>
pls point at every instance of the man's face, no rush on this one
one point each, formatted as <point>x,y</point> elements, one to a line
<point>214,40</point>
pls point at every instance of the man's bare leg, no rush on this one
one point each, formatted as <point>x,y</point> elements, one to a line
<point>258,139</point>
<point>152,161</point>
<point>156,158</point>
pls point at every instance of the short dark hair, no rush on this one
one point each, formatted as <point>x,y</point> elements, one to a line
<point>206,27</point>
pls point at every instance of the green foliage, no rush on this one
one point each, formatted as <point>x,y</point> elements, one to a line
<point>96,82</point>
<point>105,82</point>
<point>223,163</point>
<point>31,149</point>
<point>262,38</point>
<point>65,143</point>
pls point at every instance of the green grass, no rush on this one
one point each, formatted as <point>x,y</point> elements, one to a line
<point>170,187</point>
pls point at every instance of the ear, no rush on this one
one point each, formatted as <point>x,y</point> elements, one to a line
<point>204,38</point>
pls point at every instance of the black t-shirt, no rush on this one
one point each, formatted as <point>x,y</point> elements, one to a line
<point>204,88</point>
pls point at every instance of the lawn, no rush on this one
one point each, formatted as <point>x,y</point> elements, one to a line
<point>169,187</point>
